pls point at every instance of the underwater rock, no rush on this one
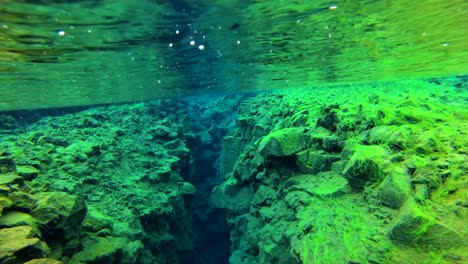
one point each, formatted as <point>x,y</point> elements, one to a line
<point>60,211</point>
<point>29,173</point>
<point>395,189</point>
<point>232,196</point>
<point>295,199</point>
<point>4,203</point>
<point>187,188</point>
<point>328,117</point>
<point>365,165</point>
<point>417,226</point>
<point>95,221</point>
<point>23,201</point>
<point>283,142</point>
<point>105,250</point>
<point>324,184</point>
<point>229,154</point>
<point>7,164</point>
<point>18,244</point>
<point>265,195</point>
<point>44,261</point>
<point>11,178</point>
<point>12,219</point>
<point>310,161</point>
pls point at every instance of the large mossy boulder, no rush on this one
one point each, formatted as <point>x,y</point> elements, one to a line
<point>232,196</point>
<point>283,142</point>
<point>4,203</point>
<point>102,250</point>
<point>309,161</point>
<point>96,221</point>
<point>421,227</point>
<point>7,164</point>
<point>365,165</point>
<point>324,184</point>
<point>18,244</point>
<point>395,189</point>
<point>60,211</point>
<point>12,219</point>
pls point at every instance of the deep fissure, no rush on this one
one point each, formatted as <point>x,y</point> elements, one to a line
<point>210,233</point>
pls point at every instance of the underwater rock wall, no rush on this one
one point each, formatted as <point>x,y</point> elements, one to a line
<point>109,184</point>
<point>373,175</point>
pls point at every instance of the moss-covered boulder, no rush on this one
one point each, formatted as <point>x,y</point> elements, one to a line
<point>325,184</point>
<point>12,219</point>
<point>97,250</point>
<point>7,164</point>
<point>421,227</point>
<point>60,211</point>
<point>44,261</point>
<point>23,201</point>
<point>365,165</point>
<point>230,195</point>
<point>310,161</point>
<point>265,195</point>
<point>95,221</point>
<point>4,203</point>
<point>395,189</point>
<point>18,244</point>
<point>11,178</point>
<point>28,172</point>
<point>283,142</point>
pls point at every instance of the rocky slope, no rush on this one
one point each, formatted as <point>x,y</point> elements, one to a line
<point>363,174</point>
<point>109,184</point>
<point>372,173</point>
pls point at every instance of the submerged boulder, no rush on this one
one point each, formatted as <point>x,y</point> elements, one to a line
<point>7,164</point>
<point>107,250</point>
<point>18,244</point>
<point>310,161</point>
<point>365,165</point>
<point>60,211</point>
<point>283,142</point>
<point>417,226</point>
<point>395,189</point>
<point>324,184</point>
<point>232,196</point>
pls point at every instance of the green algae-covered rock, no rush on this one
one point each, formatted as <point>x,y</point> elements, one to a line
<point>230,153</point>
<point>104,250</point>
<point>11,178</point>
<point>310,161</point>
<point>23,201</point>
<point>417,226</point>
<point>18,244</point>
<point>324,184</point>
<point>27,172</point>
<point>44,261</point>
<point>265,195</point>
<point>232,196</point>
<point>187,188</point>
<point>283,142</point>
<point>95,221</point>
<point>7,164</point>
<point>4,203</point>
<point>60,210</point>
<point>14,218</point>
<point>365,164</point>
<point>395,189</point>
